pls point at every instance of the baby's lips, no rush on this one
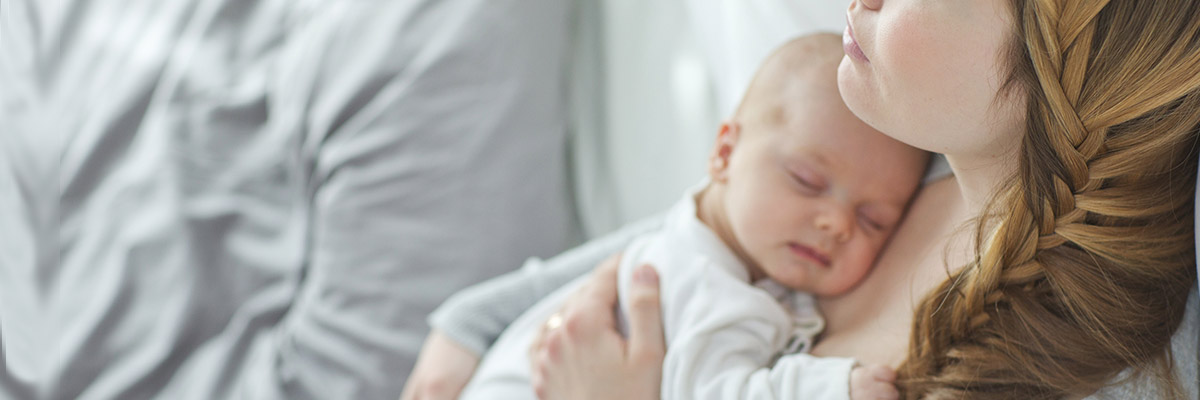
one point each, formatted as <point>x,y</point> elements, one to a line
<point>811,253</point>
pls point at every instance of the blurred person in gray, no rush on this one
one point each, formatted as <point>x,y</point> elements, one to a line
<point>262,199</point>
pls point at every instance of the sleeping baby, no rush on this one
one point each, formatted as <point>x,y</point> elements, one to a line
<point>800,197</point>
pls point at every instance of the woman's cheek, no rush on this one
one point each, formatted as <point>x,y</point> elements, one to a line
<point>919,82</point>
<point>902,54</point>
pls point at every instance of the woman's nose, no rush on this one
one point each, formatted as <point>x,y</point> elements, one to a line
<point>873,5</point>
<point>835,223</point>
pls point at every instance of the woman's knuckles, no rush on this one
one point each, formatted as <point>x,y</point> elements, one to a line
<point>647,357</point>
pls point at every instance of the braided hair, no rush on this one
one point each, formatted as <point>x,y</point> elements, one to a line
<point>1085,259</point>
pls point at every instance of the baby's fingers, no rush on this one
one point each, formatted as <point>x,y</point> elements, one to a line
<point>888,393</point>
<point>880,373</point>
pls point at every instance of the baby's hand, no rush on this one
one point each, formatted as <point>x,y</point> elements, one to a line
<point>873,382</point>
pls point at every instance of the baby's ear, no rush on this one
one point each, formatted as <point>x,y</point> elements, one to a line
<point>718,161</point>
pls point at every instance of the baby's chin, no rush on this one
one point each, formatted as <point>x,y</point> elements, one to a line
<point>794,277</point>
<point>817,283</point>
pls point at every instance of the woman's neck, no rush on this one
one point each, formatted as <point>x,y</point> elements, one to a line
<point>980,177</point>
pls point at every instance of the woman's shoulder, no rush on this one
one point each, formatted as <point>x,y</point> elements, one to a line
<point>938,207</point>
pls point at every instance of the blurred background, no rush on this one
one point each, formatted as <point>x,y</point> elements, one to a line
<point>265,198</point>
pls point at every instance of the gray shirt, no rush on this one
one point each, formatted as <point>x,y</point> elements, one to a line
<point>263,199</point>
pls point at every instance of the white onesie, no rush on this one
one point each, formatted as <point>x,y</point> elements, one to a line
<point>726,338</point>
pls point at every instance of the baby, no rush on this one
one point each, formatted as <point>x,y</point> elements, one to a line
<point>799,199</point>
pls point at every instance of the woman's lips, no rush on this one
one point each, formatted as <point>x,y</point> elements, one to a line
<point>850,45</point>
<point>809,253</point>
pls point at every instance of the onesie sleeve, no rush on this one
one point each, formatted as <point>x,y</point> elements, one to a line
<point>475,316</point>
<point>726,334</point>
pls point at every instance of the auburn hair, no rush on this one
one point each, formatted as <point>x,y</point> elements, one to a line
<point>1086,257</point>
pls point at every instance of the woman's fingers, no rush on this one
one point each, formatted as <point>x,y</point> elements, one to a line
<point>646,343</point>
<point>535,346</point>
<point>603,283</point>
<point>544,351</point>
<point>584,320</point>
<point>584,357</point>
<point>591,310</point>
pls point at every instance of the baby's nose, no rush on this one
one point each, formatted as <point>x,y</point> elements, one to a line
<point>836,223</point>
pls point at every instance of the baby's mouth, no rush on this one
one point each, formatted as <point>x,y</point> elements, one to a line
<point>809,253</point>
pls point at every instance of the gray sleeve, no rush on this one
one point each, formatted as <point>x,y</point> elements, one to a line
<point>476,316</point>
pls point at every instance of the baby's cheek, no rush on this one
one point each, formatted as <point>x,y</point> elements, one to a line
<point>859,262</point>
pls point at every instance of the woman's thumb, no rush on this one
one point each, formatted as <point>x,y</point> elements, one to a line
<point>645,317</point>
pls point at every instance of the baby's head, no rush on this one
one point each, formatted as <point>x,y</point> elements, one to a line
<point>808,192</point>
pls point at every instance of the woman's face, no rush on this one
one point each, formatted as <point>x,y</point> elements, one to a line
<point>927,72</point>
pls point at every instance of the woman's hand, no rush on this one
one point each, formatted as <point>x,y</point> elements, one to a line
<point>579,354</point>
<point>442,370</point>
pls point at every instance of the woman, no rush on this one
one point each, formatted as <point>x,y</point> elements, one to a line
<point>1058,255</point>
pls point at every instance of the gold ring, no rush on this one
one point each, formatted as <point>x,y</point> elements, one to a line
<point>555,321</point>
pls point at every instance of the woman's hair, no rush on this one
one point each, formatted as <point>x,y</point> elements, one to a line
<point>1085,259</point>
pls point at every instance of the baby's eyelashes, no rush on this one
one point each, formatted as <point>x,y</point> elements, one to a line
<point>871,224</point>
<point>807,185</point>
<point>807,178</point>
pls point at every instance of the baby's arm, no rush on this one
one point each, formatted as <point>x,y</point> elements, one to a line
<point>726,333</point>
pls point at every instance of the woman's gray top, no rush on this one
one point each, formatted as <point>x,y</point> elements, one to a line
<point>264,199</point>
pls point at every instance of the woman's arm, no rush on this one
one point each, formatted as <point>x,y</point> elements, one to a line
<point>585,357</point>
<point>476,316</point>
<point>467,324</point>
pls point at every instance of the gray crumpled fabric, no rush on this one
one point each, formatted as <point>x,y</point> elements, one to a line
<point>260,199</point>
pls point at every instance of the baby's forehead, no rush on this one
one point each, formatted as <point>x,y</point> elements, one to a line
<point>781,96</point>
<point>797,90</point>
<point>813,112</point>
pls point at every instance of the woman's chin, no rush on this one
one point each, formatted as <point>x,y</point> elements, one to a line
<point>862,98</point>
<point>853,85</point>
